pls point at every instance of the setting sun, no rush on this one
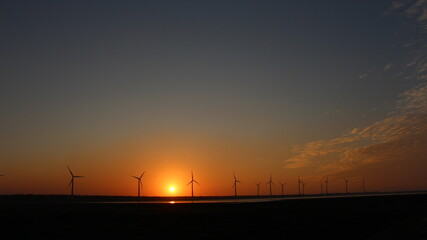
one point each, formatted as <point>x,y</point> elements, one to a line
<point>172,189</point>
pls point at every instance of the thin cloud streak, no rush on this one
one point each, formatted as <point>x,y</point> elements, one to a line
<point>404,131</point>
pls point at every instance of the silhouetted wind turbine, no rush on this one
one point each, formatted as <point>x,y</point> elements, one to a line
<point>192,181</point>
<point>139,182</point>
<point>72,180</point>
<point>270,182</point>
<point>258,184</point>
<point>283,184</point>
<point>299,185</point>
<point>346,185</point>
<point>326,185</point>
<point>235,185</point>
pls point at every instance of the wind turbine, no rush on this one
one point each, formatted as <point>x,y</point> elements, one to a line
<point>299,185</point>
<point>139,182</point>
<point>346,185</point>
<point>72,180</point>
<point>270,182</point>
<point>257,184</point>
<point>326,185</point>
<point>235,185</point>
<point>283,184</point>
<point>192,182</point>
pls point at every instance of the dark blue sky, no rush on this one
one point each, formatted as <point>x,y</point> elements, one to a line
<point>293,60</point>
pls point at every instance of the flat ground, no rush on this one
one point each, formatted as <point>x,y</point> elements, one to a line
<point>373,217</point>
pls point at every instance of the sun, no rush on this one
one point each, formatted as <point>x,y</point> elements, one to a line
<point>171,189</point>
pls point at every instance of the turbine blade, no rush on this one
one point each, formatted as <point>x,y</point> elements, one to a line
<point>135,177</point>
<point>79,176</point>
<point>142,174</point>
<point>196,182</point>
<point>70,171</point>
<point>70,183</point>
<point>190,182</point>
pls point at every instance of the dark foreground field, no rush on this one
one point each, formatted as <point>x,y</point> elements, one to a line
<point>373,217</point>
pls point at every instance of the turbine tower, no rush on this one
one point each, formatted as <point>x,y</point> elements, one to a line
<point>72,180</point>
<point>271,183</point>
<point>283,184</point>
<point>139,182</point>
<point>235,185</point>
<point>258,184</point>
<point>346,185</point>
<point>192,182</point>
<point>326,185</point>
<point>299,185</point>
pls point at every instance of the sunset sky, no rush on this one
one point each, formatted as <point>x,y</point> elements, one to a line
<point>291,88</point>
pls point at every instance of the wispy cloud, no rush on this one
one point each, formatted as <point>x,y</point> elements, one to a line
<point>416,9</point>
<point>388,66</point>
<point>362,76</point>
<point>404,131</point>
<point>396,5</point>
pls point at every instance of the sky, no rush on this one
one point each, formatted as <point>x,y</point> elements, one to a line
<point>313,89</point>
